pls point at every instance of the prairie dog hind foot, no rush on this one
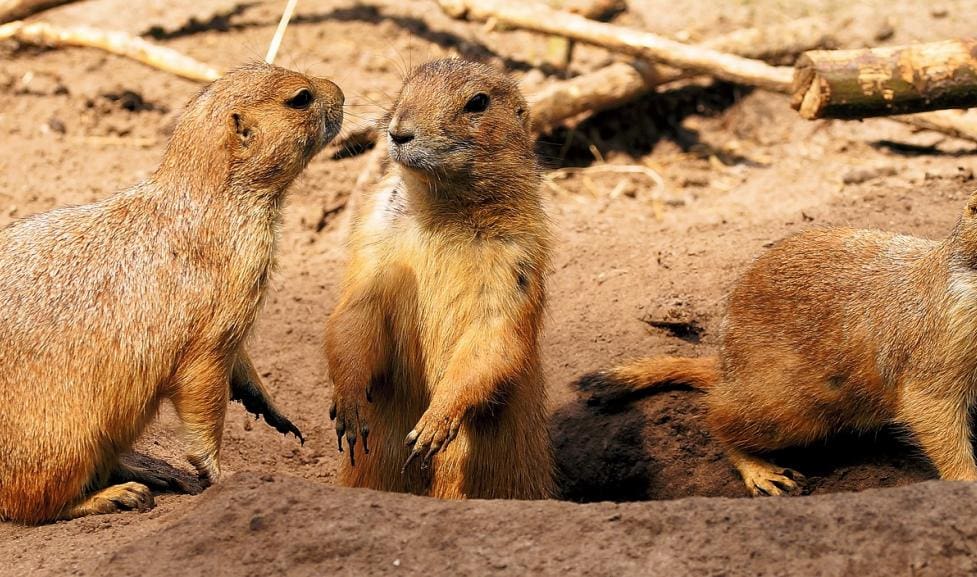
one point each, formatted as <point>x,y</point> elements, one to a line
<point>113,499</point>
<point>763,478</point>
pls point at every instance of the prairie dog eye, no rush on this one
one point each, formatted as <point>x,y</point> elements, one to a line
<point>301,100</point>
<point>477,103</point>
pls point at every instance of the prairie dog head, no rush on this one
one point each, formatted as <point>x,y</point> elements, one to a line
<point>453,117</point>
<point>261,122</point>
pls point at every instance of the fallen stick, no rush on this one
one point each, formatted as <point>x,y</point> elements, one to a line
<point>608,87</point>
<point>118,43</point>
<point>621,83</point>
<point>885,81</point>
<point>11,10</point>
<point>638,43</point>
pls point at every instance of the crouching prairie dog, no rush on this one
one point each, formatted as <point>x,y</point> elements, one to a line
<point>839,329</point>
<point>109,308</point>
<point>433,347</point>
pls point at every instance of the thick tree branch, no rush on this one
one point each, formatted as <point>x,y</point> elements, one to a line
<point>886,81</point>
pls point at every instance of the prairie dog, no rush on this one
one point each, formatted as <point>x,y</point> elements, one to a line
<point>111,307</point>
<point>434,341</point>
<point>840,329</point>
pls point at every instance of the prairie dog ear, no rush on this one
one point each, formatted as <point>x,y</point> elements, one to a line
<point>971,210</point>
<point>243,128</point>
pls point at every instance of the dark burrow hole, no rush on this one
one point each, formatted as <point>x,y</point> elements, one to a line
<point>657,447</point>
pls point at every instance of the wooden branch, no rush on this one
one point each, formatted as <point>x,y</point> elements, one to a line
<point>621,83</point>
<point>611,86</point>
<point>886,81</point>
<point>539,18</point>
<point>118,43</point>
<point>11,10</point>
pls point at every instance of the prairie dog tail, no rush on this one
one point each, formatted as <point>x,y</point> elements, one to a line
<point>645,374</point>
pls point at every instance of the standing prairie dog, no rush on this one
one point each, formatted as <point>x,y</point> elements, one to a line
<point>434,342</point>
<point>111,307</point>
<point>839,329</point>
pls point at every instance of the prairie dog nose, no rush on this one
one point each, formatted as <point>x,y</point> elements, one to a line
<point>401,130</point>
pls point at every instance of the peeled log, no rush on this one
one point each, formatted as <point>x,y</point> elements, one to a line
<point>886,81</point>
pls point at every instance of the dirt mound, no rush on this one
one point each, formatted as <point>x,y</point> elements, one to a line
<point>276,525</point>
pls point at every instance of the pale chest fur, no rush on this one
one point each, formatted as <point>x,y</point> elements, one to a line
<point>961,319</point>
<point>437,286</point>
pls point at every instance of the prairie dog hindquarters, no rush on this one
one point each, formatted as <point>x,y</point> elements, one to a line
<point>842,329</point>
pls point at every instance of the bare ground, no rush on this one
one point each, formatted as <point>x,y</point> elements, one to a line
<point>741,171</point>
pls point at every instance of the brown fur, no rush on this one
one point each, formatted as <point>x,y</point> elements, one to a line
<point>841,329</point>
<point>439,320</point>
<point>111,307</point>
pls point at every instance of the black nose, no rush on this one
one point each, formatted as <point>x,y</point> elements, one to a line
<point>401,137</point>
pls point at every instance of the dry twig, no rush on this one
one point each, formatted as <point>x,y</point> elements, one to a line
<point>118,43</point>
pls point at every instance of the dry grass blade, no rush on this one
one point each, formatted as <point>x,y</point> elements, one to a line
<point>276,41</point>
<point>650,173</point>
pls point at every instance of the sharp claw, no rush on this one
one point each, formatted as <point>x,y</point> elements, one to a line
<point>452,433</point>
<point>340,431</point>
<point>332,412</point>
<point>411,438</point>
<point>365,432</point>
<point>351,442</point>
<point>410,458</point>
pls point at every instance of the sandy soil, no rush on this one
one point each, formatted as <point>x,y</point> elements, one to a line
<point>741,170</point>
